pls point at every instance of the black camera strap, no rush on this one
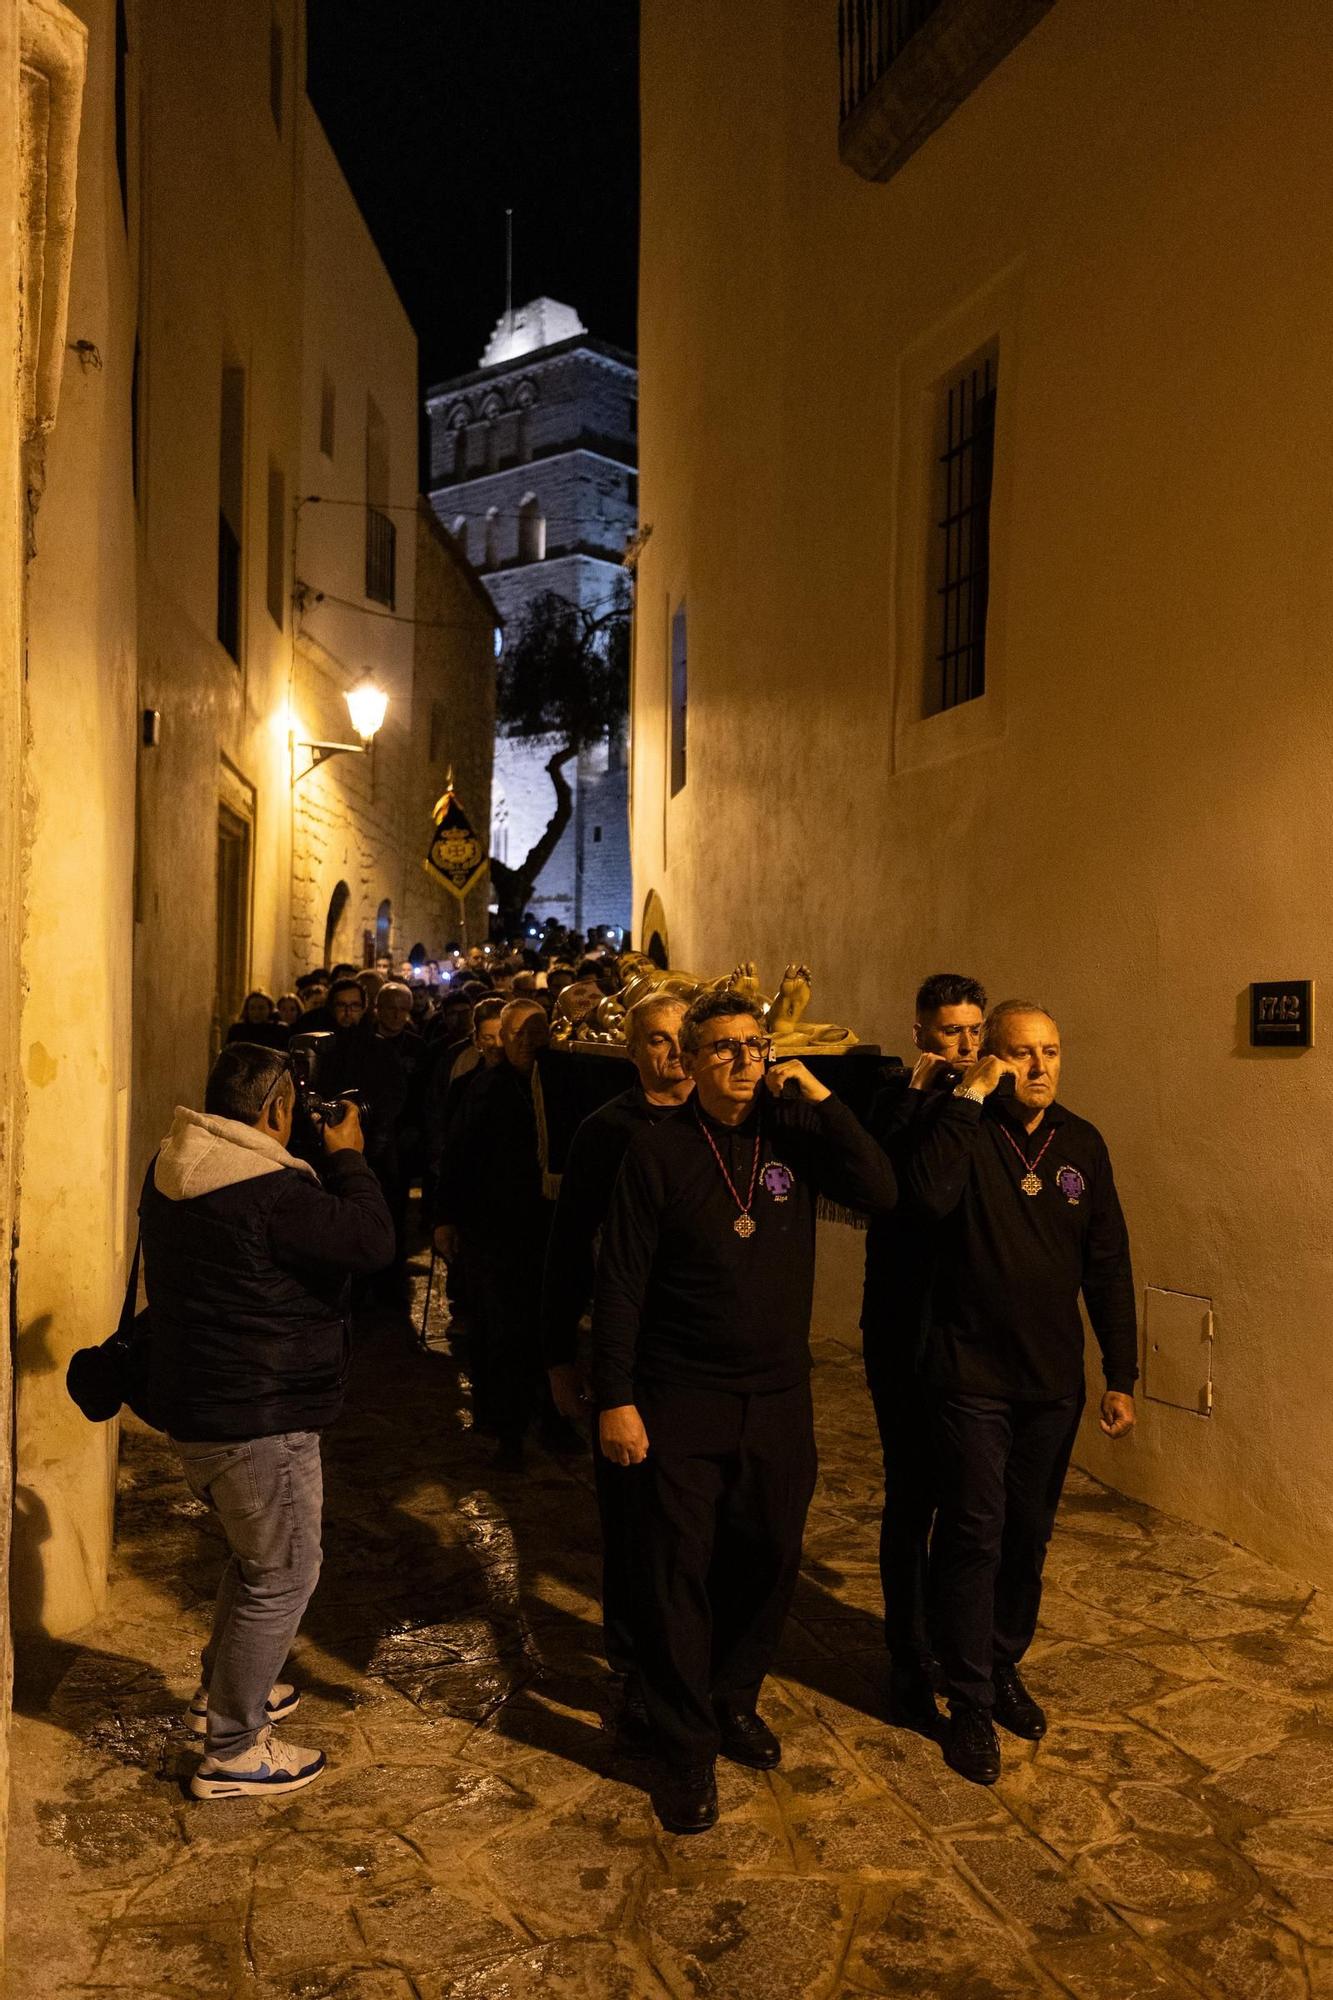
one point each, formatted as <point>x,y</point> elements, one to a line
<point>128,1308</point>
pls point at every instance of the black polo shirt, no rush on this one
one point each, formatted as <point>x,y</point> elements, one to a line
<point>681,1297</point>
<point>1001,1311</point>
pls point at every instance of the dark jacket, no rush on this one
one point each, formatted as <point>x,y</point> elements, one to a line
<point>900,1254</point>
<point>490,1175</point>
<point>587,1184</point>
<point>681,1297</point>
<point>247,1258</point>
<point>1002,1311</point>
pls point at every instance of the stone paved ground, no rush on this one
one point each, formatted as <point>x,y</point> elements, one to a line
<point>476,1837</point>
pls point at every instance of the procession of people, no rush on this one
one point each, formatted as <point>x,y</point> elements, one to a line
<point>656,1312</point>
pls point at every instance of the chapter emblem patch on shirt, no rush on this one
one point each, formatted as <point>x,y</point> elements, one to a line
<point>1071,1185</point>
<point>777,1180</point>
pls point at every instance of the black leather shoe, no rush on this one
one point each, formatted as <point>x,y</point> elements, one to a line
<point>685,1798</point>
<point>748,1740</point>
<point>1015,1710</point>
<point>971,1746</point>
<point>912,1701</point>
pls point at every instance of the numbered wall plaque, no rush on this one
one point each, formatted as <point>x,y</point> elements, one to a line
<point>1282,1014</point>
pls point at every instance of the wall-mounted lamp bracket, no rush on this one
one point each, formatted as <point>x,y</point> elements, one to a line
<point>320,754</point>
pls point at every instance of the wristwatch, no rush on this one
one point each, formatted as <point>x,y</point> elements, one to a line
<point>972,1094</point>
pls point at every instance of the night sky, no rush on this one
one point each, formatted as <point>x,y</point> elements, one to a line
<point>443,113</point>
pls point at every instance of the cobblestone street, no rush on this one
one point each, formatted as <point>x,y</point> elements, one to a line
<point>477,1837</point>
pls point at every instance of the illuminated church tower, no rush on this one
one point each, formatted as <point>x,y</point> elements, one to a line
<point>533,470</point>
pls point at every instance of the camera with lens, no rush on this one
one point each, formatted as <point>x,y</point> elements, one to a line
<point>307,1053</point>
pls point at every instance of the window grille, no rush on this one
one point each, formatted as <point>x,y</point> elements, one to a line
<point>229,588</point>
<point>679,699</point>
<point>275,72</point>
<point>231,510</point>
<point>871,35</point>
<point>276,591</point>
<point>961,533</point>
<point>381,557</point>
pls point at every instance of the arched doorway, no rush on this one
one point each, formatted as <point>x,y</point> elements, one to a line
<point>338,925</point>
<point>384,929</point>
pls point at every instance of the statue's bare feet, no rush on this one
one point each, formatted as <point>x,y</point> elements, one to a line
<point>744,978</point>
<point>792,1001</point>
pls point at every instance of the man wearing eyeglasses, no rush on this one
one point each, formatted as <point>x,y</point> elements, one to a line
<point>701,1367</point>
<point>652,1036</point>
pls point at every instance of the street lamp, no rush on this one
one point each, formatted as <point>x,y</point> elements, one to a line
<point>366,704</point>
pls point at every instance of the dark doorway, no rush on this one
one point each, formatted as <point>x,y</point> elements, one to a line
<point>233,920</point>
<point>338,902</point>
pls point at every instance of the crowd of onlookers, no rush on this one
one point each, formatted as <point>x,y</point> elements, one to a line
<point>410,1040</point>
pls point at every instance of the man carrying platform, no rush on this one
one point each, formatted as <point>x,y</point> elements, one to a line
<point>652,1036</point>
<point>1020,1198</point>
<point>701,1372</point>
<point>950,1010</point>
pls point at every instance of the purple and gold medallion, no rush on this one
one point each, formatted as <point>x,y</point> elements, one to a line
<point>777,1180</point>
<point>1071,1185</point>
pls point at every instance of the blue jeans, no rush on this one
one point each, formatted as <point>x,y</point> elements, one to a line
<point>268,1493</point>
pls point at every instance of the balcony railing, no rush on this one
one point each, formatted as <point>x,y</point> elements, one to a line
<point>905,65</point>
<point>381,557</point>
<point>871,35</point>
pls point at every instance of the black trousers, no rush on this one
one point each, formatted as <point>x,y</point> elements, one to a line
<point>721,1511</point>
<point>617,1507</point>
<point>1000,1467</point>
<point>504,1355</point>
<point>902,1414</point>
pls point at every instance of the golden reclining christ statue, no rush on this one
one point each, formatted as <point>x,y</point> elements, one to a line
<point>584,1015</point>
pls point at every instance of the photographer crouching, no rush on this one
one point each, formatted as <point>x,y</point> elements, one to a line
<point>248,1253</point>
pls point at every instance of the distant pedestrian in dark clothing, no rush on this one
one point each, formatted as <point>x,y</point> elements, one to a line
<point>652,1034</point>
<point>490,1189</point>
<point>701,1367</point>
<point>316,1019</point>
<point>258,1023</point>
<point>950,1010</point>
<point>1026,1217</point>
<point>387,1064</point>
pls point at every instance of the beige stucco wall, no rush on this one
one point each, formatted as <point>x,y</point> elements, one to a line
<point>11,686</point>
<point>221,285</point>
<point>358,338</point>
<point>78,817</point>
<point>1137,819</point>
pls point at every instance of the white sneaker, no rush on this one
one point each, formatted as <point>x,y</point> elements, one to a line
<point>283,1700</point>
<point>268,1767</point>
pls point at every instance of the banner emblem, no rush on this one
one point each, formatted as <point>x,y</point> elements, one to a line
<point>456,853</point>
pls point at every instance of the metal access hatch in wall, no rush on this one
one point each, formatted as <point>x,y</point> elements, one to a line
<point>1178,1350</point>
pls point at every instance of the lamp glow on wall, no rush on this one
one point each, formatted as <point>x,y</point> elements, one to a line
<point>367,705</point>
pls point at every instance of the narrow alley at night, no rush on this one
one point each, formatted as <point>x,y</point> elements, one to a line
<point>665,824</point>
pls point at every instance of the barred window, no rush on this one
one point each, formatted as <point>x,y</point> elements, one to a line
<point>960,532</point>
<point>679,698</point>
